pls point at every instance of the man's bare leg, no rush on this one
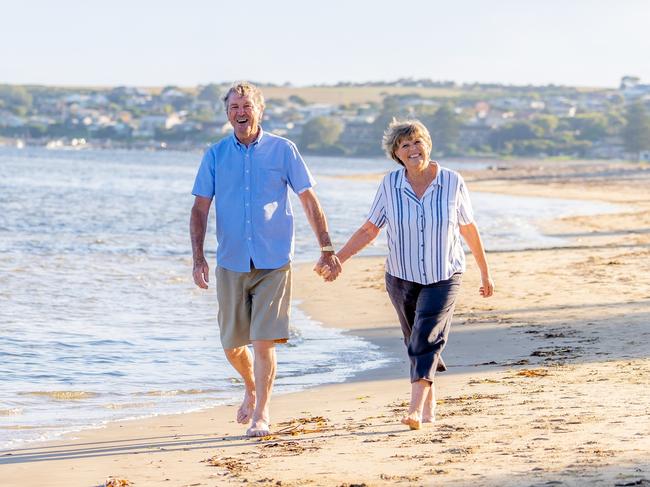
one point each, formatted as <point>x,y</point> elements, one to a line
<point>419,391</point>
<point>429,411</point>
<point>242,360</point>
<point>265,365</point>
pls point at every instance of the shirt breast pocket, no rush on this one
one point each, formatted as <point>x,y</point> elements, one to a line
<point>270,183</point>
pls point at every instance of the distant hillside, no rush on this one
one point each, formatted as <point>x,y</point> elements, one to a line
<point>356,94</point>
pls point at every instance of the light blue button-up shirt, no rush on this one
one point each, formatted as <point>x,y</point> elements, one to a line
<point>250,190</point>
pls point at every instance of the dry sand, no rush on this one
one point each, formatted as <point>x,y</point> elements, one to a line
<point>548,381</point>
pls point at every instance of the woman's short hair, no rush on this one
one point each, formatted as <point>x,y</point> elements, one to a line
<point>398,130</point>
<point>244,88</point>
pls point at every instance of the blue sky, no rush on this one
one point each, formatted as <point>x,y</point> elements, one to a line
<point>154,43</point>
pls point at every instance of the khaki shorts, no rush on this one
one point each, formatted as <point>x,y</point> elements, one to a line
<point>253,305</point>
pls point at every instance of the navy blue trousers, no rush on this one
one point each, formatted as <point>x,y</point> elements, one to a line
<point>425,313</point>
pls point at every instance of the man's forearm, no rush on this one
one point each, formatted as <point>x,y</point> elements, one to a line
<point>316,217</point>
<point>319,224</point>
<point>198,225</point>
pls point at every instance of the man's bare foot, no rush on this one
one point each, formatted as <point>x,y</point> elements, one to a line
<point>260,427</point>
<point>412,420</point>
<point>245,411</point>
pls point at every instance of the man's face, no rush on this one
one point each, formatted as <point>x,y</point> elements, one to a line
<point>244,115</point>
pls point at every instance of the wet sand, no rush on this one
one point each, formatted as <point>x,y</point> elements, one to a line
<point>548,382</point>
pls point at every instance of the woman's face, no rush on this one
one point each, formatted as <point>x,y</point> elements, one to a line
<point>413,152</point>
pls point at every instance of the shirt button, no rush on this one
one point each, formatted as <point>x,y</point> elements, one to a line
<point>246,188</point>
<point>248,221</point>
<point>249,238</point>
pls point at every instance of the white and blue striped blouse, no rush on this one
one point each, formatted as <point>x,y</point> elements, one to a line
<point>424,243</point>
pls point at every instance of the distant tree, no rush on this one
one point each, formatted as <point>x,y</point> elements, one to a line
<point>529,147</point>
<point>615,122</point>
<point>21,111</point>
<point>320,132</point>
<point>629,82</point>
<point>589,126</point>
<point>117,95</point>
<point>298,100</point>
<point>547,123</point>
<point>211,93</point>
<point>616,99</point>
<point>37,130</point>
<point>15,97</point>
<point>514,131</point>
<point>444,127</point>
<point>636,133</point>
<point>275,102</point>
<point>370,145</point>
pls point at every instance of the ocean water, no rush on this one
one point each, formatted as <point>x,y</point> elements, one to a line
<point>99,318</point>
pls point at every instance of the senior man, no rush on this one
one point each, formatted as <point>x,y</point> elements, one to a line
<point>248,174</point>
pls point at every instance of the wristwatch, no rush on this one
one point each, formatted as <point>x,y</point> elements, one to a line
<point>327,248</point>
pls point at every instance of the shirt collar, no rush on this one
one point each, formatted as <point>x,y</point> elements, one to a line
<point>401,181</point>
<point>255,142</point>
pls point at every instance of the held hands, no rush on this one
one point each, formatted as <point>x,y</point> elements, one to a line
<point>201,273</point>
<point>328,267</point>
<point>487,286</point>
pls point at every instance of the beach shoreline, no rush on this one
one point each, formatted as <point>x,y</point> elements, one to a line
<point>533,393</point>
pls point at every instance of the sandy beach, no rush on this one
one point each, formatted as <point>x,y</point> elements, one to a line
<point>548,381</point>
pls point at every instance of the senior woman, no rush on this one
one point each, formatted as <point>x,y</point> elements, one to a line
<point>425,208</point>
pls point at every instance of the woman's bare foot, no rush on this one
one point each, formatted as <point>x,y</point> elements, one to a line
<point>412,420</point>
<point>245,411</point>
<point>429,409</point>
<point>420,391</point>
<point>429,413</point>
<point>260,427</point>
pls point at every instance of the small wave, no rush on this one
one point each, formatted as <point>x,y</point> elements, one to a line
<point>65,345</point>
<point>176,280</point>
<point>11,412</point>
<point>95,343</point>
<point>130,405</point>
<point>295,333</point>
<point>179,392</point>
<point>62,395</point>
